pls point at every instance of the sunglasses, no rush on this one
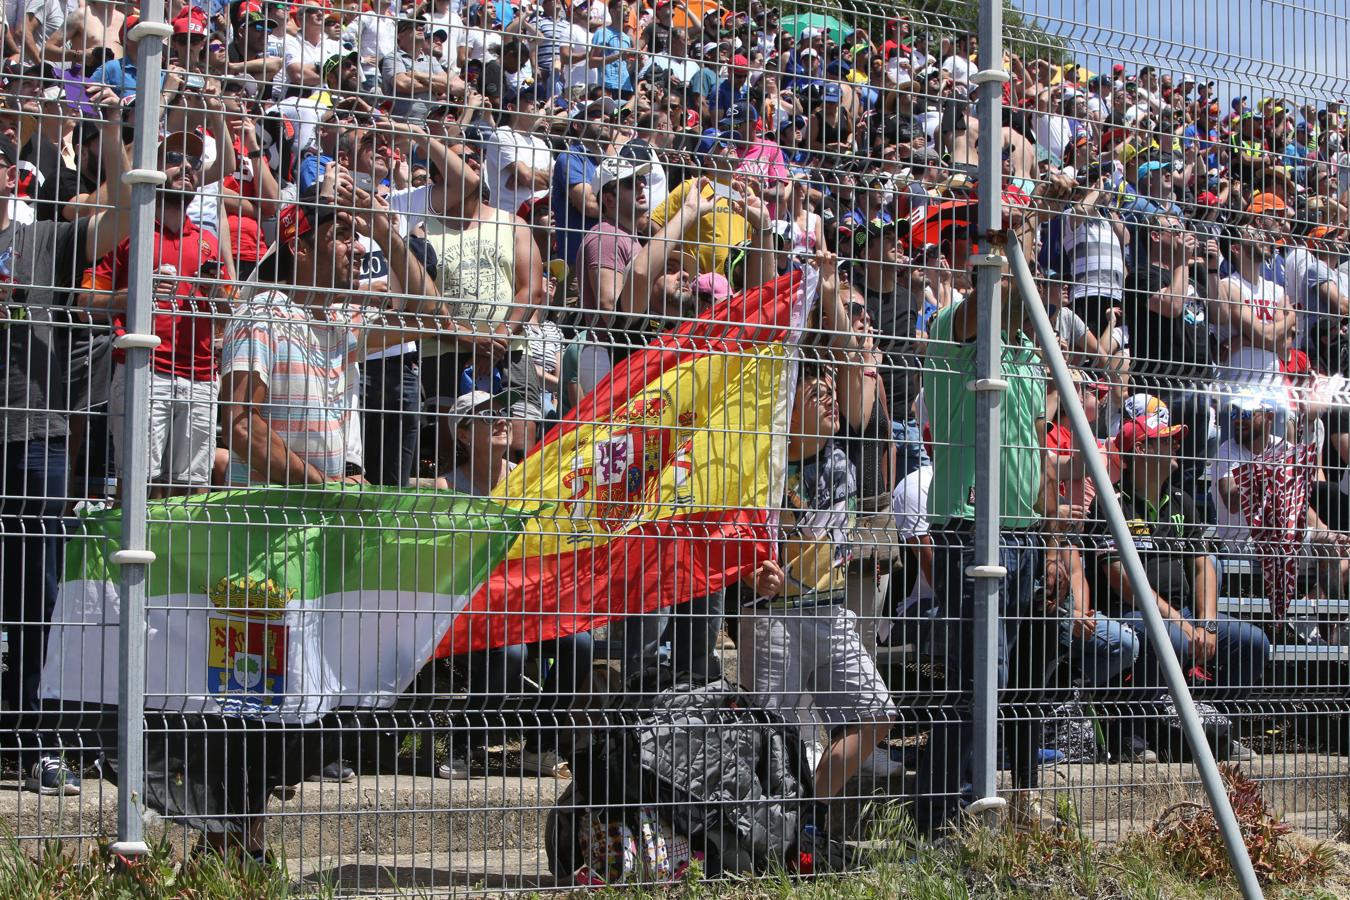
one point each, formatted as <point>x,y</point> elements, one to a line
<point>173,158</point>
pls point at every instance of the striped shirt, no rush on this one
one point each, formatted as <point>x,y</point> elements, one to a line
<point>308,365</point>
<point>1098,258</point>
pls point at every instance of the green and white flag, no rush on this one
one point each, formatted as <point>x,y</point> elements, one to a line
<point>279,603</point>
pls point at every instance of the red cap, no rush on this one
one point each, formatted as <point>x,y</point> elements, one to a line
<point>129,23</point>
<point>1207,198</point>
<point>740,61</point>
<point>1118,68</point>
<point>1142,428</point>
<point>192,20</point>
<point>292,223</point>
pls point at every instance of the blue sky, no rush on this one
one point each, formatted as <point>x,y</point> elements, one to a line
<point>1297,48</point>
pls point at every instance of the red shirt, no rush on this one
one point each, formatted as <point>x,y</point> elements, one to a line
<point>246,235</point>
<point>185,333</point>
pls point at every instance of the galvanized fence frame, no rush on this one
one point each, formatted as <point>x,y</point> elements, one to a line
<point>136,522</point>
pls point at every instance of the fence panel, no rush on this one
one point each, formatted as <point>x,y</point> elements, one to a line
<point>564,426</point>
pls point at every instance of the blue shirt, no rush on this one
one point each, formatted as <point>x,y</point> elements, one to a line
<point>575,166</point>
<point>617,76</point>
<point>311,171</point>
<point>118,74</point>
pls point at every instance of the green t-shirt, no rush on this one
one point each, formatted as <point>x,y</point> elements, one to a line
<point>948,370</point>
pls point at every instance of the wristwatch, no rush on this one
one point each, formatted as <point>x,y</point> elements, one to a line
<point>1210,625</point>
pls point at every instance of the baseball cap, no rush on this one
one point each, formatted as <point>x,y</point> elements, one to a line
<point>739,61</point>
<point>1145,406</point>
<point>524,209</point>
<point>831,93</point>
<point>472,403</point>
<point>252,13</point>
<point>596,109</point>
<point>1144,428</point>
<point>337,60</point>
<point>713,285</point>
<point>739,114</point>
<point>874,228</point>
<point>188,142</point>
<point>532,91</point>
<point>711,140</point>
<point>613,169</point>
<point>1243,405</point>
<point>192,21</point>
<point>1266,202</point>
<point>299,219</point>
<point>9,152</point>
<point>1153,165</point>
<point>810,34</point>
<point>1118,68</point>
<point>1207,198</point>
<point>787,121</point>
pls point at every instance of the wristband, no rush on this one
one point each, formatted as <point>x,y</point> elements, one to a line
<point>256,154</point>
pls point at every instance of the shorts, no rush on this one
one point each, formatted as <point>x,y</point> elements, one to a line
<point>811,657</point>
<point>182,428</point>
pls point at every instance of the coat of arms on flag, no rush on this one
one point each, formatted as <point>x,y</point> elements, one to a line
<point>245,643</point>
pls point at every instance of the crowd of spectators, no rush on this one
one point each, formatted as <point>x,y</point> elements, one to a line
<point>394,242</point>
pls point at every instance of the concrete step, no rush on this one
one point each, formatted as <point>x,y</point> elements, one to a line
<point>502,817</point>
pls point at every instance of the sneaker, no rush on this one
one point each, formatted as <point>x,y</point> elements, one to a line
<point>51,776</point>
<point>1141,756</point>
<point>336,771</point>
<point>456,767</point>
<point>1047,757</point>
<point>1239,752</point>
<point>1027,813</point>
<point>882,765</point>
<point>546,764</point>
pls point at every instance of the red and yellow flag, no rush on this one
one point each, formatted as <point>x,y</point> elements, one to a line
<point>659,489</point>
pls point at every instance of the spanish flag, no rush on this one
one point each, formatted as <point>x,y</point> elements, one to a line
<point>660,488</point>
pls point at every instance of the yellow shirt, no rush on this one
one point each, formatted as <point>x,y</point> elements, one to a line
<point>716,236</point>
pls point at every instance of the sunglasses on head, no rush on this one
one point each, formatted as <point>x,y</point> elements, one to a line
<point>174,158</point>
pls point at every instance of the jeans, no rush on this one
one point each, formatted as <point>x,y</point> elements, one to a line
<point>1103,657</point>
<point>909,449</point>
<point>497,682</point>
<point>31,551</point>
<point>690,628</point>
<point>391,403</point>
<point>1025,645</point>
<point>1239,660</point>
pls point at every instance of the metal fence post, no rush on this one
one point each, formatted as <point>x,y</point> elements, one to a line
<point>138,342</point>
<point>989,384</point>
<point>1134,570</point>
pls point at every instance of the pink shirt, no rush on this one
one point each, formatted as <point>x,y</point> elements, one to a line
<point>763,160</point>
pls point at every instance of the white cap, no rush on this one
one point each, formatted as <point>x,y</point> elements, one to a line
<point>809,33</point>
<point>618,168</point>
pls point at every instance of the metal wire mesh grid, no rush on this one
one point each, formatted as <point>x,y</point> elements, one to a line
<point>561,467</point>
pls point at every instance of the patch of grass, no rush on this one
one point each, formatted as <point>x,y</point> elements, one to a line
<point>54,871</point>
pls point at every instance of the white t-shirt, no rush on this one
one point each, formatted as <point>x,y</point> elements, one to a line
<point>374,36</point>
<point>960,69</point>
<point>50,13</point>
<point>455,37</point>
<point>1254,367</point>
<point>1304,273</point>
<point>509,146</point>
<point>909,506</point>
<point>296,49</point>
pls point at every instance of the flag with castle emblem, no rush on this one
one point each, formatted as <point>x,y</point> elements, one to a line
<point>279,603</point>
<point>661,487</point>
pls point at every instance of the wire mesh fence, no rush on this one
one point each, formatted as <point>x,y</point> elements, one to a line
<point>539,445</point>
